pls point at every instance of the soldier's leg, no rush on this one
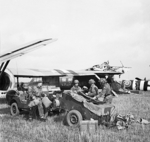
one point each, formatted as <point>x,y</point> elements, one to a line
<point>46,112</point>
<point>113,117</point>
<point>30,110</point>
<point>41,109</point>
<point>30,114</point>
<point>31,104</point>
<point>34,112</point>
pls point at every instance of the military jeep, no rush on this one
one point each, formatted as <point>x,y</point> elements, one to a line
<point>19,100</point>
<point>79,107</point>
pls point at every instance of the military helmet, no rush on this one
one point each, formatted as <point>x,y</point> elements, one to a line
<point>103,80</point>
<point>76,81</point>
<point>39,84</point>
<point>25,86</point>
<point>91,81</point>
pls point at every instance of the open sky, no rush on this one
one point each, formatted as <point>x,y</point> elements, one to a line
<point>89,32</point>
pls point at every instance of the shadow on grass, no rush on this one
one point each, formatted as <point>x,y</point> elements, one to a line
<point>59,118</point>
<point>4,111</point>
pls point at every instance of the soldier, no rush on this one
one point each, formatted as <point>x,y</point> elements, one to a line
<point>76,88</point>
<point>22,90</point>
<point>106,91</point>
<point>21,87</point>
<point>32,104</point>
<point>36,95</point>
<point>93,91</point>
<point>110,80</point>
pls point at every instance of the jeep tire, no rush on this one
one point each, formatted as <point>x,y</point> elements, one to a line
<point>73,118</point>
<point>14,109</point>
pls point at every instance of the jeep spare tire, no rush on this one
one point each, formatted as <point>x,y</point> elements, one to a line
<point>73,117</point>
<point>14,109</point>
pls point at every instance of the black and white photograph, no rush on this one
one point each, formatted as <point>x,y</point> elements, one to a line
<point>74,71</point>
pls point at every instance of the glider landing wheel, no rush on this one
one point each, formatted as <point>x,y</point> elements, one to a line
<point>73,117</point>
<point>14,109</point>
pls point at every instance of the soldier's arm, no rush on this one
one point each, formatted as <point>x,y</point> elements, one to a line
<point>34,93</point>
<point>96,90</point>
<point>72,89</point>
<point>30,94</point>
<point>93,94</point>
<point>103,93</point>
<point>97,95</point>
<point>79,89</point>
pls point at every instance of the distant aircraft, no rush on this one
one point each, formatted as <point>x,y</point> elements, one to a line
<point>105,67</point>
<point>6,77</point>
<point>137,84</point>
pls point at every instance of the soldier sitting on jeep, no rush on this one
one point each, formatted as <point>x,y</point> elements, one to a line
<point>36,97</point>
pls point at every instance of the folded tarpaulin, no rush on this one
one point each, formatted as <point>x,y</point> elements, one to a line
<point>100,110</point>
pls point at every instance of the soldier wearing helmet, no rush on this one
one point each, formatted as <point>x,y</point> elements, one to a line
<point>38,90</point>
<point>22,87</point>
<point>37,101</point>
<point>106,91</point>
<point>22,90</point>
<point>76,88</point>
<point>93,91</point>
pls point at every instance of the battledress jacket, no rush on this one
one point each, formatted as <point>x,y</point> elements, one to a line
<point>106,91</point>
<point>93,91</point>
<point>35,92</point>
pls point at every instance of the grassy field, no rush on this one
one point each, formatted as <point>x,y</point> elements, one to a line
<point>17,129</point>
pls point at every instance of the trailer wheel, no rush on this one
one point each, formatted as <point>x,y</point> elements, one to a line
<point>14,109</point>
<point>73,118</point>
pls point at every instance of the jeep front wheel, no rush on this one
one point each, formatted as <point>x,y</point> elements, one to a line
<point>73,118</point>
<point>14,109</point>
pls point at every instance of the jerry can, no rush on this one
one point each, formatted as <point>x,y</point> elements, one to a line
<point>84,126</point>
<point>93,126</point>
<point>89,126</point>
<point>46,102</point>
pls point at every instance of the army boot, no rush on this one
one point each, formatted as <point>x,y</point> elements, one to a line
<point>30,114</point>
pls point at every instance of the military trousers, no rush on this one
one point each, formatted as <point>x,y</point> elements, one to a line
<point>37,102</point>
